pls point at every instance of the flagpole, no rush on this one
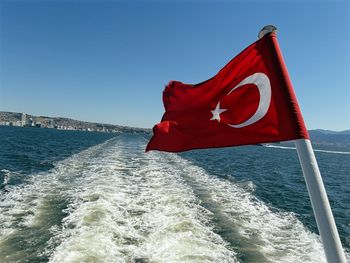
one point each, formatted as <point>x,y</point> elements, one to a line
<point>319,201</point>
<point>317,192</point>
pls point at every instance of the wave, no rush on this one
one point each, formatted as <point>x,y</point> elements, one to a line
<point>133,208</point>
<point>293,148</point>
<point>114,203</point>
<point>120,206</point>
<point>261,233</point>
<point>30,213</point>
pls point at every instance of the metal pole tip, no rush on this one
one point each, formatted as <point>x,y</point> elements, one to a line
<point>267,29</point>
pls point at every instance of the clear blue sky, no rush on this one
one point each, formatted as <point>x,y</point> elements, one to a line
<point>108,61</point>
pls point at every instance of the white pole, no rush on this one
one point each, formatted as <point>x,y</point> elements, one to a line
<point>319,201</point>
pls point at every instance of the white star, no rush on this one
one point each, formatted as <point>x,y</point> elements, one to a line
<point>216,113</point>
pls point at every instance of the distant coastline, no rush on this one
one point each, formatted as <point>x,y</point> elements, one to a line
<point>26,120</point>
<point>318,136</point>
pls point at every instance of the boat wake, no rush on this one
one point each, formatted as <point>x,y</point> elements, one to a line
<point>293,148</point>
<point>114,203</point>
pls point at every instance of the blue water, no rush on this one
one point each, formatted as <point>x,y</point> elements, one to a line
<point>69,196</point>
<point>278,179</point>
<point>24,151</point>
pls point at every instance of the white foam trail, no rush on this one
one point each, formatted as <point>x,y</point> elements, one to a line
<point>124,206</point>
<point>129,207</point>
<point>278,147</point>
<point>30,210</point>
<point>293,148</point>
<point>336,152</point>
<point>278,236</point>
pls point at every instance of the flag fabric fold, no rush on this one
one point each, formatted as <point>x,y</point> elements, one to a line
<point>249,101</point>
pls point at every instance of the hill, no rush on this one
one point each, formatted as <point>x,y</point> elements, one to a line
<point>326,137</point>
<point>318,136</point>
<point>16,119</point>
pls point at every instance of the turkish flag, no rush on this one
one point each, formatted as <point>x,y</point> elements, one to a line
<point>249,101</point>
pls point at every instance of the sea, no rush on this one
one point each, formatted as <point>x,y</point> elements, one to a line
<point>73,196</point>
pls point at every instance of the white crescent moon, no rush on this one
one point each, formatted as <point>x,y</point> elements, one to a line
<point>262,82</point>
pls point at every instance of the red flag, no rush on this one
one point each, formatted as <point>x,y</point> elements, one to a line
<point>250,100</point>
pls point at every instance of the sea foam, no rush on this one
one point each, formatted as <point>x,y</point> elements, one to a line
<point>114,203</point>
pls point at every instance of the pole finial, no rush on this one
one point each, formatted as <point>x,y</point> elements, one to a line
<point>267,29</point>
